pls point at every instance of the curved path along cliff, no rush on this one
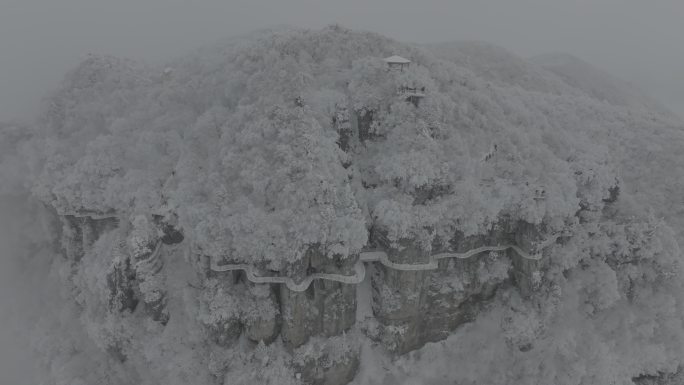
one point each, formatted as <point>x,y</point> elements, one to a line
<point>360,269</point>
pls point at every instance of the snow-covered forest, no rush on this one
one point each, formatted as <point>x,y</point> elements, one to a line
<point>294,152</point>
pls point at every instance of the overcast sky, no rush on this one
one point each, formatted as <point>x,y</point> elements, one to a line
<point>640,40</point>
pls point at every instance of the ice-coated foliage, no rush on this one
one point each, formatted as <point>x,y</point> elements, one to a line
<point>606,320</point>
<point>237,144</point>
<point>277,178</point>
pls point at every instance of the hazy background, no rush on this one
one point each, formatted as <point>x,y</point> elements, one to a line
<point>641,41</point>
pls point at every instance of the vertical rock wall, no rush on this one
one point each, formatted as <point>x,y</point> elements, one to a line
<point>416,307</point>
<point>135,273</point>
<point>364,119</point>
<point>412,307</point>
<point>526,272</point>
<point>72,237</point>
<point>121,281</point>
<point>219,297</point>
<point>342,124</point>
<point>306,321</point>
<point>143,245</point>
<point>325,309</point>
<point>399,296</point>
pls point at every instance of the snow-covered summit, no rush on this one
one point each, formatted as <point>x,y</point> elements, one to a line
<point>240,142</point>
<point>289,151</point>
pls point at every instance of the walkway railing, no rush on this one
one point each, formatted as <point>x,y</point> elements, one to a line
<point>88,215</point>
<point>359,268</point>
<point>370,256</point>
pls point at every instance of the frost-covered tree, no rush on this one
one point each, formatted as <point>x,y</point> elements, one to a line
<point>270,147</point>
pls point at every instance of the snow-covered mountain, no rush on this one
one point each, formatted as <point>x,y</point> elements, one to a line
<point>597,83</point>
<point>215,218</point>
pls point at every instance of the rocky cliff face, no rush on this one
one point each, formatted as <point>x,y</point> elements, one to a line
<point>411,307</point>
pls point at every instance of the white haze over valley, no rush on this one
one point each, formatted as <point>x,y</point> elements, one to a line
<point>593,87</point>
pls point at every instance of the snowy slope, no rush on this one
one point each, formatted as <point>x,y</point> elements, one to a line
<point>201,140</point>
<point>649,146</point>
<point>644,138</point>
<point>501,67</point>
<point>267,146</point>
<point>599,84</point>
